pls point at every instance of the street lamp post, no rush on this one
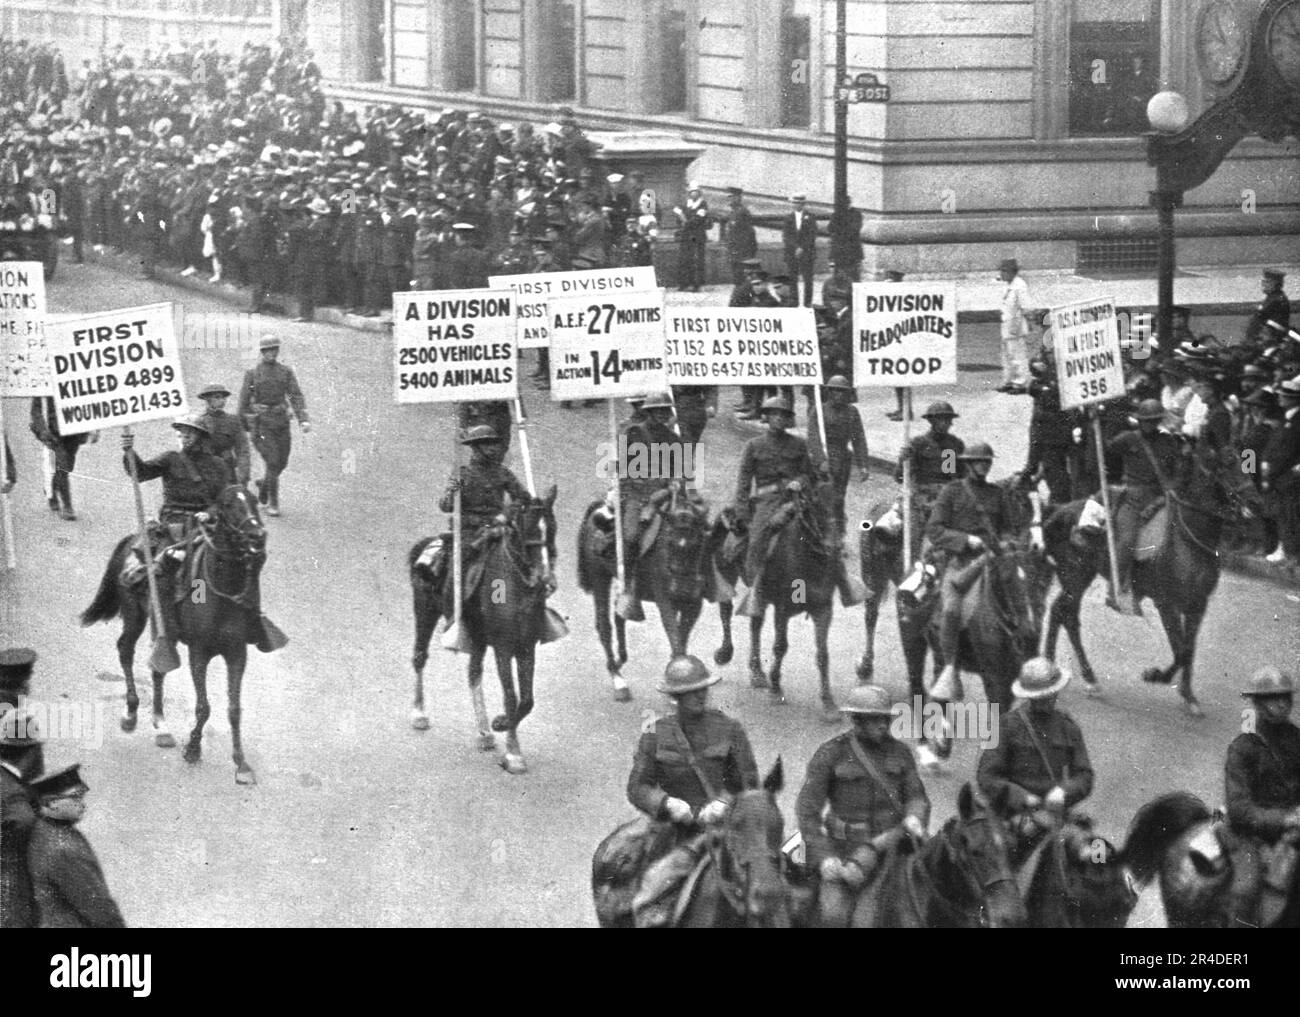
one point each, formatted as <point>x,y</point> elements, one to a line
<point>841,114</point>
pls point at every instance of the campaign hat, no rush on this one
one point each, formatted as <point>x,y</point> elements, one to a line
<point>1039,678</point>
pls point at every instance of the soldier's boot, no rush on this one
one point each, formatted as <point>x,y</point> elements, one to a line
<point>947,686</point>
<point>273,495</point>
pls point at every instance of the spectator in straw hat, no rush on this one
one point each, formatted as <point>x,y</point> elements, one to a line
<point>1015,328</point>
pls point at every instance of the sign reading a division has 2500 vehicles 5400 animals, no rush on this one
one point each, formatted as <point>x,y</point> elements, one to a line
<point>534,289</point>
<point>742,346</point>
<point>603,347</point>
<point>1085,337</point>
<point>23,367</point>
<point>115,368</point>
<point>904,334</point>
<point>453,346</point>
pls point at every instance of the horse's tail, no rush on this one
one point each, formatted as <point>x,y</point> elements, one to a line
<point>586,573</point>
<point>108,601</point>
<point>1157,824</point>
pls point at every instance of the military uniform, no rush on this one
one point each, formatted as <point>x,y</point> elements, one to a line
<point>1262,780</point>
<point>17,818</point>
<point>692,404</point>
<point>1275,307</point>
<point>651,449</point>
<point>1051,438</point>
<point>661,768</point>
<point>494,413</point>
<point>1142,485</point>
<point>1016,766</point>
<point>934,465</point>
<point>229,442</point>
<point>843,429</point>
<point>482,494</point>
<point>268,392</point>
<point>768,463</point>
<point>466,268</point>
<point>192,481</point>
<point>67,882</point>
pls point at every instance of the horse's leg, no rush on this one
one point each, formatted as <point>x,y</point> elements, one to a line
<point>236,658</point>
<point>620,633</point>
<point>757,679</point>
<point>1073,629</point>
<point>1172,620</point>
<point>516,709</point>
<point>1192,619</point>
<point>821,631</point>
<point>668,618</point>
<point>723,654</point>
<point>486,741</point>
<point>604,631</point>
<point>780,646</point>
<point>866,668</point>
<point>427,613</point>
<point>162,733</point>
<point>199,660</point>
<point>134,619</point>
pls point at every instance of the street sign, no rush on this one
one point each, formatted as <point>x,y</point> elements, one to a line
<point>904,334</point>
<point>742,346</point>
<point>23,369</point>
<point>863,87</point>
<point>607,346</point>
<point>1085,336</point>
<point>536,288</point>
<point>454,345</point>
<point>115,368</point>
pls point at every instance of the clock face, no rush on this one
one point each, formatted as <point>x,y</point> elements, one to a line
<point>1221,41</point>
<point>1284,43</point>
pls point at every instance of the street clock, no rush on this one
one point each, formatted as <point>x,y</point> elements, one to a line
<point>1222,40</point>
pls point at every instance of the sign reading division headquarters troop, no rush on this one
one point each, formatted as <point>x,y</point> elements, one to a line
<point>536,288</point>
<point>904,334</point>
<point>742,346</point>
<point>604,347</point>
<point>114,368</point>
<point>454,345</point>
<point>23,370</point>
<point>1088,364</point>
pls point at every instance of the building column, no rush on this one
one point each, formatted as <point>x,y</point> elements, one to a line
<point>764,74</point>
<point>643,38</point>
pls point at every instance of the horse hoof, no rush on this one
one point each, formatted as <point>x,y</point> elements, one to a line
<point>244,775</point>
<point>192,754</point>
<point>723,655</point>
<point>419,720</point>
<point>622,694</point>
<point>164,739</point>
<point>128,722</point>
<point>1193,709</point>
<point>758,680</point>
<point>1154,676</point>
<point>1091,689</point>
<point>513,763</point>
<point>776,697</point>
<point>486,742</point>
<point>500,722</point>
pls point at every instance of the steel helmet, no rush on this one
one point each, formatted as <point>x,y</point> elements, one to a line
<point>839,381</point>
<point>977,450</point>
<point>1039,678</point>
<point>1269,681</point>
<point>1149,409</point>
<point>778,404</point>
<point>194,422</point>
<point>214,389</point>
<point>686,674</point>
<point>939,408</point>
<point>478,434</point>
<point>870,700</point>
<point>268,342</point>
<point>658,401</point>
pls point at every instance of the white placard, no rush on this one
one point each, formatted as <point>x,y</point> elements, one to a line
<point>904,334</point>
<point>23,369</point>
<point>536,288</point>
<point>608,346</point>
<point>742,346</point>
<point>1085,338</point>
<point>454,345</point>
<point>115,368</point>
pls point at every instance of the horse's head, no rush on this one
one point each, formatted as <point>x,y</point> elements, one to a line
<point>749,857</point>
<point>978,848</point>
<point>1218,482</point>
<point>239,526</point>
<point>533,522</point>
<point>1020,577</point>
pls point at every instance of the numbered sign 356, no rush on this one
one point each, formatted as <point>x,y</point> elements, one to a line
<point>607,347</point>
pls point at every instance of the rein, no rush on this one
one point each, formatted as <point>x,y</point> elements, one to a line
<point>974,916</point>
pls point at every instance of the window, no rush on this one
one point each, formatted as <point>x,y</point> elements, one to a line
<point>373,47</point>
<point>673,34</point>
<point>561,81</point>
<point>796,65</point>
<point>1114,65</point>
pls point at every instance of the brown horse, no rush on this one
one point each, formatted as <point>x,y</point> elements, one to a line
<point>1179,579</point>
<point>218,618</point>
<point>506,611</point>
<point>671,573</point>
<point>1076,881</point>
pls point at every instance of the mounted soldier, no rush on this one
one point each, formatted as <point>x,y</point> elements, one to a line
<point>193,479</point>
<point>861,797</point>
<point>493,412</point>
<point>971,519</point>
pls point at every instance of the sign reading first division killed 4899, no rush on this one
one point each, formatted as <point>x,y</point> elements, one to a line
<point>1089,368</point>
<point>454,346</point>
<point>605,347</point>
<point>115,368</point>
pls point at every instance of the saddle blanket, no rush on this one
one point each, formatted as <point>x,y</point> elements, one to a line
<point>1152,535</point>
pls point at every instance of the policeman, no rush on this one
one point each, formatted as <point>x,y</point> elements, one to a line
<point>861,792</point>
<point>1150,457</point>
<point>67,882</point>
<point>738,233</point>
<point>226,433</point>
<point>843,432</point>
<point>270,389</point>
<point>1275,307</point>
<point>1040,760</point>
<point>970,518</point>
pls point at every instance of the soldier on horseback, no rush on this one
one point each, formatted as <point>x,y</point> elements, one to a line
<point>777,464</point>
<point>862,795</point>
<point>1040,762</point>
<point>970,519</point>
<point>686,772</point>
<point>934,456</point>
<point>1151,456</point>
<point>193,479</point>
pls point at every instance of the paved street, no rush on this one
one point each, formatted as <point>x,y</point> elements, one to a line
<point>357,819</point>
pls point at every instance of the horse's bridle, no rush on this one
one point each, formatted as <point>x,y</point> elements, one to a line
<point>979,914</point>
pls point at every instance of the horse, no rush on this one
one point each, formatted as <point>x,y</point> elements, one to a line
<point>741,882</point>
<point>1179,579</point>
<point>727,567</point>
<point>1074,880</point>
<point>670,573</point>
<point>220,622</point>
<point>880,563</point>
<point>959,878</point>
<point>798,577</point>
<point>1209,876</point>
<point>506,611</point>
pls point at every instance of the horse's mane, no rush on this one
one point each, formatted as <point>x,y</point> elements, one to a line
<point>1156,824</point>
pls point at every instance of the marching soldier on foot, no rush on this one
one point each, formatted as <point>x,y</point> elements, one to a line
<point>226,433</point>
<point>861,795</point>
<point>843,433</point>
<point>270,390</point>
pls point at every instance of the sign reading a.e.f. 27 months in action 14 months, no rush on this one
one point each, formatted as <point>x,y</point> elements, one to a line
<point>1088,364</point>
<point>115,368</point>
<point>605,347</point>
<point>454,346</point>
<point>904,335</point>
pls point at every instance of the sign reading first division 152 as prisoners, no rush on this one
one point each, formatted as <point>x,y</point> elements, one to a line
<point>742,346</point>
<point>1085,337</point>
<point>604,347</point>
<point>115,368</point>
<point>536,288</point>
<point>23,370</point>
<point>454,346</point>
<point>904,334</point>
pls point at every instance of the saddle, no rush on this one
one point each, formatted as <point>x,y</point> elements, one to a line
<point>669,884</point>
<point>619,862</point>
<point>1154,532</point>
